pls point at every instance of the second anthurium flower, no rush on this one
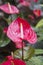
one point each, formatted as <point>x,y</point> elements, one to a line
<point>20,30</point>
<point>9,9</point>
<point>12,61</point>
<point>37,12</point>
<point>24,3</point>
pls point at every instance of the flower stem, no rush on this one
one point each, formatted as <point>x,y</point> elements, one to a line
<point>11,17</point>
<point>22,51</point>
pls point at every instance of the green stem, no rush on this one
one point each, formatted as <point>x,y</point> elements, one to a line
<point>22,51</point>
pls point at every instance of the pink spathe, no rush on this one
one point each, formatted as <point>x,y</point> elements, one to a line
<point>14,32</point>
<point>9,9</point>
<point>25,3</point>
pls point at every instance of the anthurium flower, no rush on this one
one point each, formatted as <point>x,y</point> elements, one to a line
<point>9,9</point>
<point>37,12</point>
<point>25,3</point>
<point>11,61</point>
<point>14,32</point>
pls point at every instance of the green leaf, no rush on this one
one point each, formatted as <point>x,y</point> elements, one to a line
<point>10,18</point>
<point>39,24</point>
<point>28,53</point>
<point>35,61</point>
<point>39,32</point>
<point>40,39</point>
<point>39,51</point>
<point>31,52</point>
<point>41,5</point>
<point>2,59</point>
<point>4,40</point>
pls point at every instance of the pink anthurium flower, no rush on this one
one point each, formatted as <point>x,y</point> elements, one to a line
<point>15,28</point>
<point>37,12</point>
<point>25,3</point>
<point>9,9</point>
<point>11,61</point>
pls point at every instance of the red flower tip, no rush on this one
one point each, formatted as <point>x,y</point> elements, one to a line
<point>5,30</point>
<point>37,12</point>
<point>9,9</point>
